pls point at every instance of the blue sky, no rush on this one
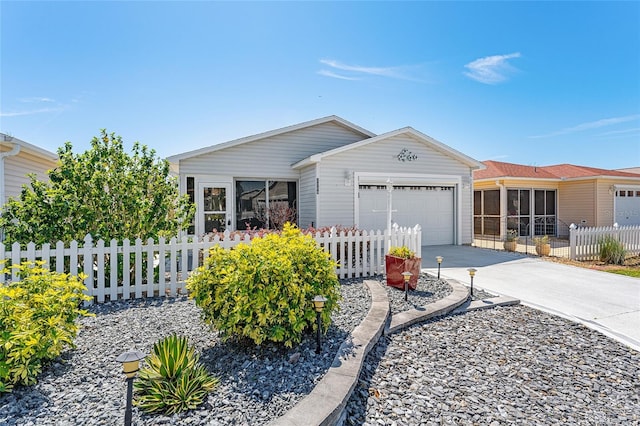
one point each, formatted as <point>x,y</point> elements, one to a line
<point>536,83</point>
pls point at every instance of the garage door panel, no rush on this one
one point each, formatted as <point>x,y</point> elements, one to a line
<point>373,206</point>
<point>431,207</point>
<point>627,207</point>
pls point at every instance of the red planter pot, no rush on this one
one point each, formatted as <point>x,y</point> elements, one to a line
<point>395,266</point>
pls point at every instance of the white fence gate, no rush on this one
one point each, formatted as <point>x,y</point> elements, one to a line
<point>161,269</point>
<point>584,243</point>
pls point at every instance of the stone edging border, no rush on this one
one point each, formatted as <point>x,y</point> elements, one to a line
<point>402,320</point>
<point>325,403</point>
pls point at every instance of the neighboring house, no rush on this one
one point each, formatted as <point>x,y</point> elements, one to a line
<point>329,172</point>
<point>547,200</point>
<point>17,159</point>
<point>630,170</point>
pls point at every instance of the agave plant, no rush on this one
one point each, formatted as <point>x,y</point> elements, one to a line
<point>173,380</point>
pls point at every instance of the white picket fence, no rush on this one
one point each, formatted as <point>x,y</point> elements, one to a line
<point>584,243</point>
<point>161,269</point>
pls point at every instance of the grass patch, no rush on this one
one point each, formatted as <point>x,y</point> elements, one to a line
<point>625,271</point>
<point>630,267</point>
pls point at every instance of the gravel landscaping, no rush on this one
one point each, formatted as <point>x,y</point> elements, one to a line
<point>86,386</point>
<point>491,367</point>
<point>498,366</point>
<point>429,290</point>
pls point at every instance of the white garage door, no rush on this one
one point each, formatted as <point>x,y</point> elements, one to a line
<point>627,207</point>
<point>430,206</point>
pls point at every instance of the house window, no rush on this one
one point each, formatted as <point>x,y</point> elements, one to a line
<point>265,204</point>
<point>544,212</point>
<point>486,212</point>
<point>518,210</point>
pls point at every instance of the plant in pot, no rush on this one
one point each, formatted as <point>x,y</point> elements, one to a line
<point>543,247</point>
<point>511,240</point>
<point>399,260</point>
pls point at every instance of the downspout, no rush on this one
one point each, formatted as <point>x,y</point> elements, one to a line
<point>503,209</point>
<point>14,151</point>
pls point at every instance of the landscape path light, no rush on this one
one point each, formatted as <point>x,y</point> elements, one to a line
<point>318,304</point>
<point>407,276</point>
<point>130,365</point>
<point>472,273</point>
<point>439,260</point>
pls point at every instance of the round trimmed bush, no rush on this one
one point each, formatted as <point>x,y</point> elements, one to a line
<point>263,291</point>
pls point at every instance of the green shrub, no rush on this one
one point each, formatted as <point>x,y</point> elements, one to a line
<point>37,321</point>
<point>612,250</point>
<point>263,291</point>
<point>173,380</point>
<point>540,240</point>
<point>403,252</point>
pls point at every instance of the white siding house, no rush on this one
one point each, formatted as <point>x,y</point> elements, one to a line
<point>329,172</point>
<point>18,159</point>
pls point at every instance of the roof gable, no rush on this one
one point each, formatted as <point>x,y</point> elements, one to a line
<point>330,119</point>
<point>438,146</point>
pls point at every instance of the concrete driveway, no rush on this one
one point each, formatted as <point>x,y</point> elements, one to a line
<point>606,302</point>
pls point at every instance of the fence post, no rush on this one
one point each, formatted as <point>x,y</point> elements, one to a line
<point>113,270</point>
<point>15,260</point>
<point>138,268</point>
<point>572,241</point>
<point>73,258</point>
<point>173,271</point>
<point>100,285</point>
<point>46,255</point>
<point>161,267</point>
<point>60,257</point>
<point>150,268</point>
<point>126,269</point>
<point>87,260</point>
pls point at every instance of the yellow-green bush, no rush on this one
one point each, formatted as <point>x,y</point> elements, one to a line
<point>37,321</point>
<point>402,251</point>
<point>264,290</point>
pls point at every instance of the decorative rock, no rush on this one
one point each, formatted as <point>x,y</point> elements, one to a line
<point>256,384</point>
<point>501,366</point>
<point>294,358</point>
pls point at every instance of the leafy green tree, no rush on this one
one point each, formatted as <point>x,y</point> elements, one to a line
<point>104,192</point>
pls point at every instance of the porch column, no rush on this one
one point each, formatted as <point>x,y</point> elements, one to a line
<point>503,209</point>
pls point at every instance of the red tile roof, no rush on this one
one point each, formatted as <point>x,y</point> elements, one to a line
<point>497,169</point>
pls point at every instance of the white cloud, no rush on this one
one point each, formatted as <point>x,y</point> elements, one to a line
<point>30,112</point>
<point>355,72</point>
<point>621,132</point>
<point>590,125</point>
<point>38,105</point>
<point>37,100</point>
<point>328,73</point>
<point>491,69</point>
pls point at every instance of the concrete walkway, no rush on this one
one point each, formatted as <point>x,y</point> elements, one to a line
<point>606,302</point>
